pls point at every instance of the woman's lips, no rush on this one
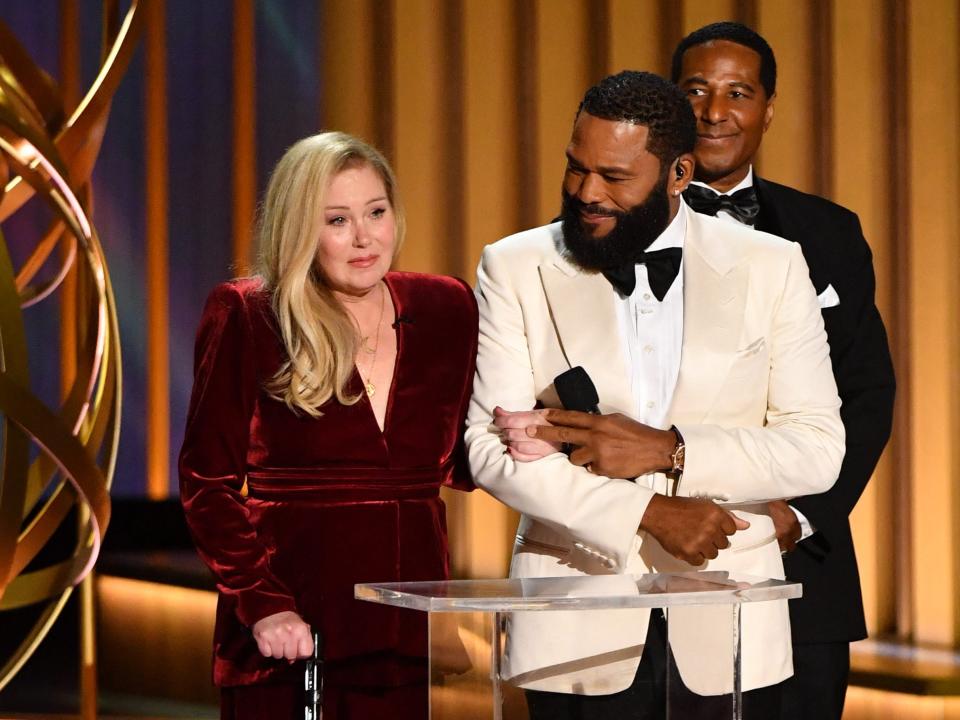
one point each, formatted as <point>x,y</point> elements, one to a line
<point>365,261</point>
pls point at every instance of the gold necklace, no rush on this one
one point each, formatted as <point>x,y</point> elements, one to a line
<point>368,385</point>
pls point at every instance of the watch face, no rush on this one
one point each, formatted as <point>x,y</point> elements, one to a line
<point>678,456</point>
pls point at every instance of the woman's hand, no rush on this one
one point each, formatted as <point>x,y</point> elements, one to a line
<point>513,434</point>
<point>283,635</point>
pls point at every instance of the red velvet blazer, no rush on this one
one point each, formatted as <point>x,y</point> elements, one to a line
<point>330,501</point>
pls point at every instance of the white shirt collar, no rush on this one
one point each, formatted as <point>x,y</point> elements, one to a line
<point>745,183</point>
<point>675,232</point>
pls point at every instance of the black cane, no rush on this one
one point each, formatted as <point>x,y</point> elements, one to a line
<point>313,682</point>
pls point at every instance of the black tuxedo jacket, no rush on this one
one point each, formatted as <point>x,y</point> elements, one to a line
<point>831,609</point>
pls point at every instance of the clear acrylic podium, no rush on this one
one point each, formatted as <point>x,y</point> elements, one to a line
<point>479,630</point>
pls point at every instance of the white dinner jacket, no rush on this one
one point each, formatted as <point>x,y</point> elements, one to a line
<point>755,401</point>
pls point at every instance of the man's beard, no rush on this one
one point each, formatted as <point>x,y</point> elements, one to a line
<point>633,233</point>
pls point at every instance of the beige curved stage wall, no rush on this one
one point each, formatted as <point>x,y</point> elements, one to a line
<point>48,147</point>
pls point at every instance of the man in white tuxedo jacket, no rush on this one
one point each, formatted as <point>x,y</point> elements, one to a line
<point>728,361</point>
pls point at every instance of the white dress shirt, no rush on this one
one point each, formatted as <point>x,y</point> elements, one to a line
<point>806,529</point>
<point>652,334</point>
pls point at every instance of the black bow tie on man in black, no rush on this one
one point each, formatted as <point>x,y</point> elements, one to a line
<point>662,269</point>
<point>743,204</point>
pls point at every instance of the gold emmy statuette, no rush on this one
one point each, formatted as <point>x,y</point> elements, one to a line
<point>55,458</point>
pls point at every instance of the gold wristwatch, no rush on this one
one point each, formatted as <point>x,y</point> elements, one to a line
<point>678,455</point>
<point>675,473</point>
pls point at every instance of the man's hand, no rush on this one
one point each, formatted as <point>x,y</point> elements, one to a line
<point>611,445</point>
<point>691,529</point>
<point>786,524</point>
<point>520,445</point>
<point>283,635</point>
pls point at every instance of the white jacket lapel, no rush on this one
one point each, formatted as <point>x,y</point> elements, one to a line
<point>715,288</point>
<point>584,316</point>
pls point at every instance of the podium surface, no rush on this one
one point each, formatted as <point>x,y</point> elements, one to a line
<point>474,622</point>
<point>593,592</point>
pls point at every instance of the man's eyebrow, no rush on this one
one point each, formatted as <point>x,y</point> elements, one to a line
<point>600,170</point>
<point>700,80</point>
<point>614,171</point>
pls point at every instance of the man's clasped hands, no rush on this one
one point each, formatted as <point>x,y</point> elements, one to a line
<point>615,446</point>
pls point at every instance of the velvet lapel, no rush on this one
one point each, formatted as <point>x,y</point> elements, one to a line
<point>584,316</point>
<point>715,285</point>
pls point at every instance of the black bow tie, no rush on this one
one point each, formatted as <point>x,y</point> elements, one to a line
<point>662,268</point>
<point>743,204</point>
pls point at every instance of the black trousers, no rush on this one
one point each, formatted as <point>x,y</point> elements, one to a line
<point>818,687</point>
<point>645,699</point>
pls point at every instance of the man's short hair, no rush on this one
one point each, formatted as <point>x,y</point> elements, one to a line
<point>736,33</point>
<point>646,99</point>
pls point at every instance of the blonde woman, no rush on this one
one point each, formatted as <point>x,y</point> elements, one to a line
<point>336,391</point>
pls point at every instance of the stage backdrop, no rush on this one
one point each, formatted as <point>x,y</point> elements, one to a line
<point>473,101</point>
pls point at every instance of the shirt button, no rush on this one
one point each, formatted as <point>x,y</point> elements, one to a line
<point>648,349</point>
<point>646,296</point>
<point>650,403</point>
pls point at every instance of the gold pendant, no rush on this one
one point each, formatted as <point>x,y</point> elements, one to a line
<point>370,388</point>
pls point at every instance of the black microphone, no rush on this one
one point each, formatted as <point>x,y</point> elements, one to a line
<point>577,391</point>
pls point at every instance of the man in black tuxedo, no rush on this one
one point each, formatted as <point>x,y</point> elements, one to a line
<point>729,73</point>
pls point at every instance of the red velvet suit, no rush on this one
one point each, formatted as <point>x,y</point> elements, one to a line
<point>331,501</point>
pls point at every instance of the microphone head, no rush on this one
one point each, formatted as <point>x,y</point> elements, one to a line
<point>576,390</point>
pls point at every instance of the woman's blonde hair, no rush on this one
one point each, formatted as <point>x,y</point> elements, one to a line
<point>320,337</point>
